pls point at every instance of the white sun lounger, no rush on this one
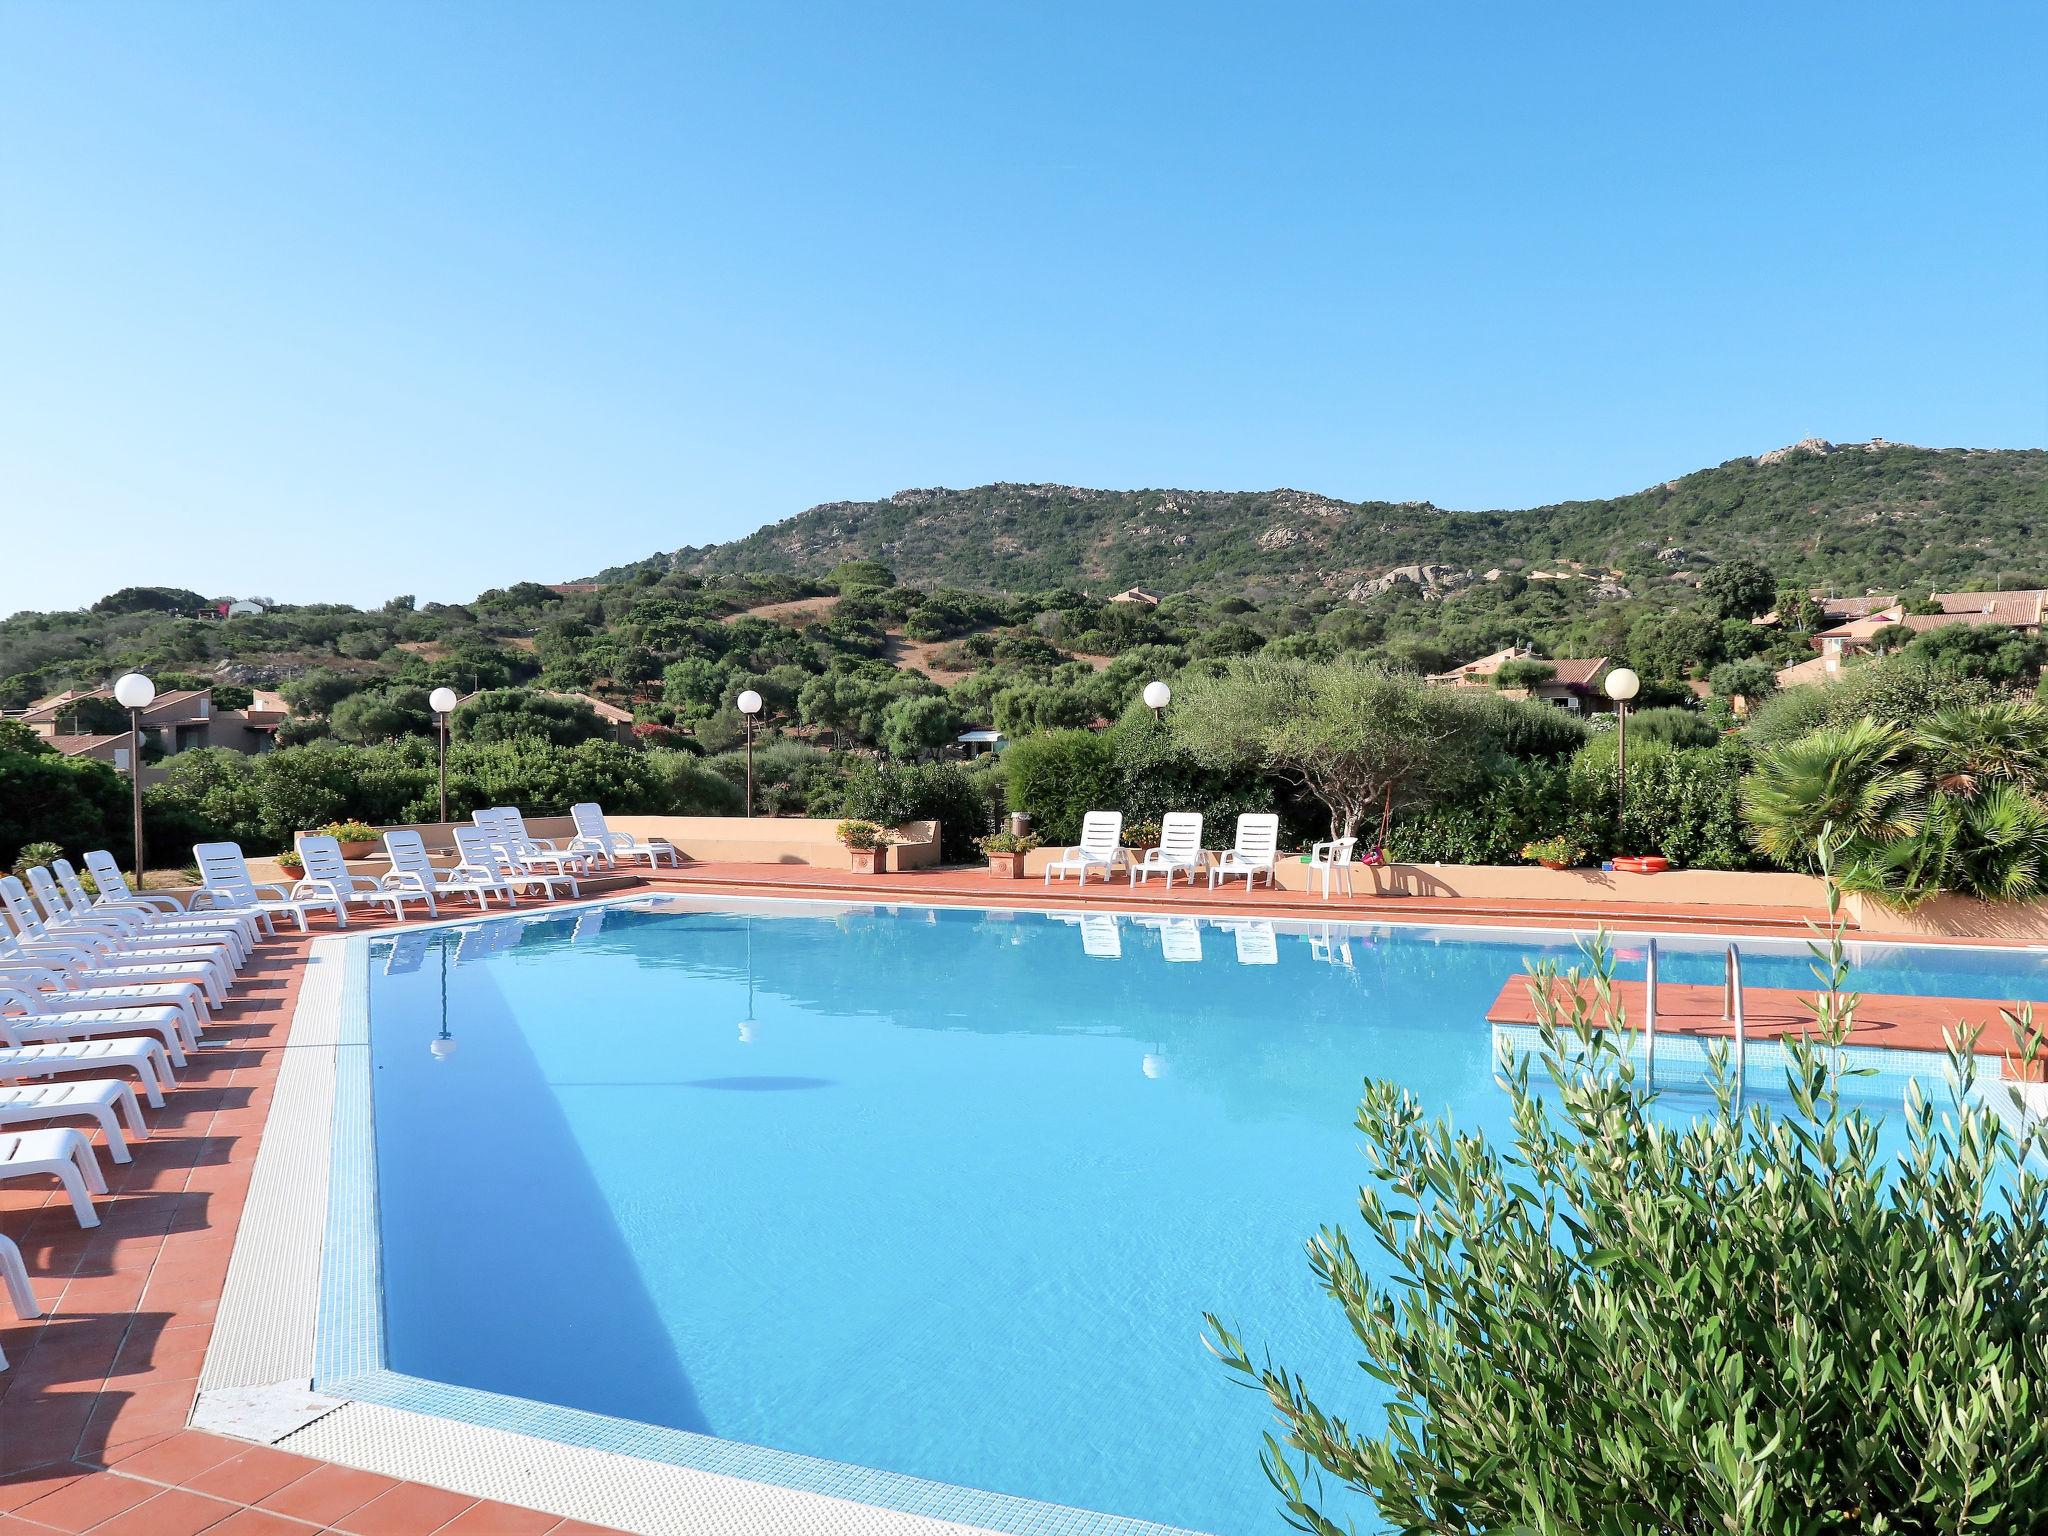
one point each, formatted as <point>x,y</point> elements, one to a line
<point>145,1058</point>
<point>241,932</point>
<point>133,937</point>
<point>593,836</point>
<point>1179,851</point>
<point>99,1099</point>
<point>1257,851</point>
<point>108,954</point>
<point>14,1279</point>
<point>505,829</point>
<point>477,849</point>
<point>326,873</point>
<point>1257,943</point>
<point>224,881</point>
<point>59,989</point>
<point>1180,938</point>
<point>1101,847</point>
<point>59,1153</point>
<point>413,871</point>
<point>25,1021</point>
<point>106,874</point>
<point>1101,936</point>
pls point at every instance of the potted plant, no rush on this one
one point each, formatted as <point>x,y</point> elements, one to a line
<point>1141,835</point>
<point>290,862</point>
<point>358,839</point>
<point>1006,852</point>
<point>1557,852</point>
<point>867,844</point>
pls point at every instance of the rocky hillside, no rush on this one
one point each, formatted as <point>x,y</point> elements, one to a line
<point>1876,514</point>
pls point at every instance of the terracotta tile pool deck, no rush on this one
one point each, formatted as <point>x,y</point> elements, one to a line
<point>93,1410</point>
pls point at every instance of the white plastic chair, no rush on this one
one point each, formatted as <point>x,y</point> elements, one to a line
<point>477,850</point>
<point>327,874</point>
<point>64,985</point>
<point>593,836</point>
<point>58,1153</point>
<point>145,1058</point>
<point>61,917</point>
<point>14,1278</point>
<point>224,881</point>
<point>244,929</point>
<point>505,826</point>
<point>106,874</point>
<point>413,871</point>
<point>1179,851</point>
<point>106,952</point>
<point>1333,861</point>
<point>24,1021</point>
<point>1101,847</point>
<point>1256,852</point>
<point>102,1100</point>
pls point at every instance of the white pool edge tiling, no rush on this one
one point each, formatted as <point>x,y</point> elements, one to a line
<point>302,1304</point>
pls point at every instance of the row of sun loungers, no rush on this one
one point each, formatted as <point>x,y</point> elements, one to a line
<point>1255,853</point>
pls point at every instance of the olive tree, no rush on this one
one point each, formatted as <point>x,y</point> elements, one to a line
<point>1359,739</point>
<point>1756,1321</point>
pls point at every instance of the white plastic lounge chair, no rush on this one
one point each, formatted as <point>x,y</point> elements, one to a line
<point>60,919</point>
<point>224,882</point>
<point>106,874</point>
<point>1101,936</point>
<point>14,1279</point>
<point>99,1099</point>
<point>1179,850</point>
<point>477,849</point>
<point>1256,853</point>
<point>413,871</point>
<point>1180,938</point>
<point>1101,847</point>
<point>593,836</point>
<point>1257,943</point>
<point>145,1058</point>
<point>59,1153</point>
<point>108,953</point>
<point>242,931</point>
<point>60,987</point>
<point>1333,861</point>
<point>23,1021</point>
<point>505,827</point>
<point>326,873</point>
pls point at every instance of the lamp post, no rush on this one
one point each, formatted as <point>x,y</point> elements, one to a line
<point>442,702</point>
<point>1622,685</point>
<point>442,1046</point>
<point>747,1025</point>
<point>750,705</point>
<point>135,693</point>
<point>1157,697</point>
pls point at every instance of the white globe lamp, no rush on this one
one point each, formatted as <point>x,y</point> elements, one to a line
<point>442,701</point>
<point>1623,684</point>
<point>1157,697</point>
<point>1154,1065</point>
<point>134,691</point>
<point>750,703</point>
<point>442,1046</point>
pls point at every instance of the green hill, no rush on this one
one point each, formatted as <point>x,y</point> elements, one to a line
<point>1854,516</point>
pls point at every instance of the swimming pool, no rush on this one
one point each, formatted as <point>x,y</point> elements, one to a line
<point>941,1193</point>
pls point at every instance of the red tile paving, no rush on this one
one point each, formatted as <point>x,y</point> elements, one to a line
<point>1772,1013</point>
<point>93,1412</point>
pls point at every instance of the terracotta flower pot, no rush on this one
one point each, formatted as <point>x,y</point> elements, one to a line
<point>1006,866</point>
<point>1553,863</point>
<point>360,850</point>
<point>867,861</point>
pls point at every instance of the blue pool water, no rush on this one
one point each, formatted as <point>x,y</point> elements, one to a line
<point>940,1192</point>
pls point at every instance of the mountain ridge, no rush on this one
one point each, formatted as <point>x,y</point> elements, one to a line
<point>1875,513</point>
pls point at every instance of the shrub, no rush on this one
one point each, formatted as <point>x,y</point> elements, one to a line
<point>1007,842</point>
<point>349,831</point>
<point>1057,777</point>
<point>1673,727</point>
<point>36,856</point>
<point>864,835</point>
<point>1555,850</point>
<point>893,793</point>
<point>74,802</point>
<point>1742,1320</point>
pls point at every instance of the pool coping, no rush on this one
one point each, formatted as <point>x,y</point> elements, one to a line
<point>304,1262</point>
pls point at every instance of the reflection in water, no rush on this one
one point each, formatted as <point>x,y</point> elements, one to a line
<point>760,1084</point>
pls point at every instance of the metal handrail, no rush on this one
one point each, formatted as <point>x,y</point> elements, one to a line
<point>1650,1018</point>
<point>1734,984</point>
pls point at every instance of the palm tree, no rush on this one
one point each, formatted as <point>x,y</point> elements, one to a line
<point>1856,779</point>
<point>1966,750</point>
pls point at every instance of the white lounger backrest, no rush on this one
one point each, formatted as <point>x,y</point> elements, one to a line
<point>1101,936</point>
<point>408,854</point>
<point>1102,832</point>
<point>74,888</point>
<point>1180,939</point>
<point>106,874</point>
<point>1180,835</point>
<point>1257,944</point>
<point>48,897</point>
<point>14,895</point>
<point>1258,836</point>
<point>222,868</point>
<point>322,857</point>
<point>589,819</point>
<point>480,848</point>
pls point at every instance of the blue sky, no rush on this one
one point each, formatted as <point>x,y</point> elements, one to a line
<point>337,301</point>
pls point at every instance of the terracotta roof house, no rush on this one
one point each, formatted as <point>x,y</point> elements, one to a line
<point>1835,609</point>
<point>108,749</point>
<point>1137,595</point>
<point>2020,610</point>
<point>1574,683</point>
